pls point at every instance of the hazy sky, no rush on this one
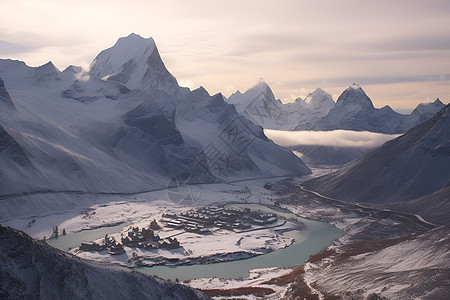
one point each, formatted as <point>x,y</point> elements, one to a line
<point>399,51</point>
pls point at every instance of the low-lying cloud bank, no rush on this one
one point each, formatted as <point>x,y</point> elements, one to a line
<point>335,138</point>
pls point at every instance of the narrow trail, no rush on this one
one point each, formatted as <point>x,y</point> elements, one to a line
<point>362,208</point>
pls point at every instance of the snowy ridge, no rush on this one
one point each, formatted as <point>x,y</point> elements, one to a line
<point>260,106</point>
<point>354,111</point>
<point>422,113</point>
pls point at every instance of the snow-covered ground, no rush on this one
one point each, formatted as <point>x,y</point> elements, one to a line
<point>38,215</point>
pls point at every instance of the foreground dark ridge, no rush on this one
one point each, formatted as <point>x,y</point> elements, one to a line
<point>31,269</point>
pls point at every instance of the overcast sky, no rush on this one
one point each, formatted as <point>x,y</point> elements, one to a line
<point>399,51</point>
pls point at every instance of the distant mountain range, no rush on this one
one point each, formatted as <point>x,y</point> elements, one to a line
<point>353,110</point>
<point>124,126</point>
<point>31,269</point>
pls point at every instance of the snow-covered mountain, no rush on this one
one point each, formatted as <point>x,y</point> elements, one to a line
<point>31,269</point>
<point>124,127</point>
<point>411,166</point>
<point>135,62</point>
<point>354,111</point>
<point>259,105</point>
<point>422,113</point>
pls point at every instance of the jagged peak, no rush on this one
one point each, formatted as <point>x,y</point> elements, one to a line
<point>201,91</point>
<point>354,95</point>
<point>261,84</point>
<point>387,108</point>
<point>318,94</point>
<point>49,66</point>
<point>319,100</point>
<point>438,101</point>
<point>135,40</point>
<point>319,90</point>
<point>73,69</point>
<point>131,47</point>
<point>134,61</point>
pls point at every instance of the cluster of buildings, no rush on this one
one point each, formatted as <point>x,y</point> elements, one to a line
<point>139,238</point>
<point>147,239</point>
<point>200,220</point>
<point>109,243</point>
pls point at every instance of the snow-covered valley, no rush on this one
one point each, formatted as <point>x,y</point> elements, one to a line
<point>379,235</point>
<point>119,166</point>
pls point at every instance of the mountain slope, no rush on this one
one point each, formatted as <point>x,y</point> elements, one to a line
<point>415,268</point>
<point>423,112</point>
<point>31,269</point>
<point>408,167</point>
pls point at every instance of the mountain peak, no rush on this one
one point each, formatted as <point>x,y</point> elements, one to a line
<point>48,67</point>
<point>438,101</point>
<point>47,72</point>
<point>261,84</point>
<point>320,100</point>
<point>354,98</point>
<point>135,62</point>
<point>126,49</point>
<point>73,69</point>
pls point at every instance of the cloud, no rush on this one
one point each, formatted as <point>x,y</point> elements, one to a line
<point>335,138</point>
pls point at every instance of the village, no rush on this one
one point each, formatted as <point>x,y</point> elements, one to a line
<point>202,221</point>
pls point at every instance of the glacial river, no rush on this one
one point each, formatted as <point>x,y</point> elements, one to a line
<point>317,237</point>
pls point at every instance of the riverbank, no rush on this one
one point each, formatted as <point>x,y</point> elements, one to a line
<point>381,256</point>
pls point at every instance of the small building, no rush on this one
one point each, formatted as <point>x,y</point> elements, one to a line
<point>154,225</point>
<point>116,249</point>
<point>91,246</point>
